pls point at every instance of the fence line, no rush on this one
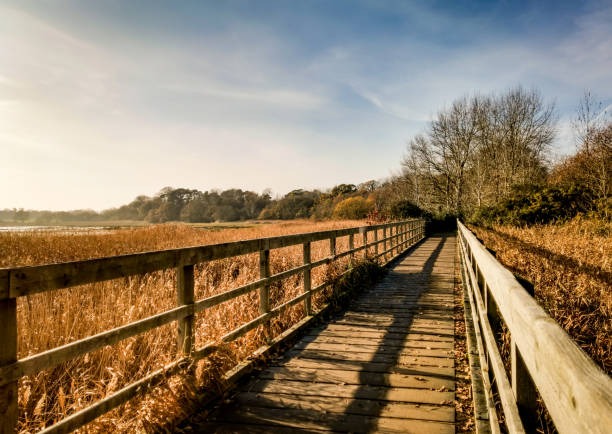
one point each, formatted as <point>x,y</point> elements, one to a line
<point>24,281</point>
<point>544,358</point>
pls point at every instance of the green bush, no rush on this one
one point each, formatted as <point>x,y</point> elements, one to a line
<point>405,209</point>
<point>535,204</point>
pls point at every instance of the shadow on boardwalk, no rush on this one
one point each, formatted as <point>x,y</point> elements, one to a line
<point>385,364</point>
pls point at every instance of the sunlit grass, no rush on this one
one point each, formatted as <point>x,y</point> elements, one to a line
<point>53,318</point>
<point>570,266</point>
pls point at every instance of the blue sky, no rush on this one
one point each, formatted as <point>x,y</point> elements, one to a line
<point>103,101</point>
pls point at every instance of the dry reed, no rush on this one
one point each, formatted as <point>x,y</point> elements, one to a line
<point>54,318</point>
<point>570,266</point>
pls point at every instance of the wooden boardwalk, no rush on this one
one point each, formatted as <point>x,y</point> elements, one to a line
<point>386,364</point>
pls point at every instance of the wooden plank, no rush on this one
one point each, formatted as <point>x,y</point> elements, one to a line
<point>309,420</point>
<point>331,404</point>
<point>379,342</point>
<point>8,355</point>
<point>264,291</point>
<point>185,296</point>
<point>339,376</point>
<point>427,326</point>
<point>4,283</point>
<point>306,257</point>
<point>259,428</point>
<point>577,393</point>
<point>445,373</point>
<point>368,349</point>
<point>354,391</point>
<point>378,333</point>
<point>411,358</point>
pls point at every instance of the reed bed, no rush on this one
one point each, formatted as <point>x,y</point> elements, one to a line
<point>54,318</point>
<point>570,266</point>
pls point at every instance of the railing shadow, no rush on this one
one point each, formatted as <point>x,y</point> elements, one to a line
<point>368,401</point>
<point>415,284</point>
<point>558,259</point>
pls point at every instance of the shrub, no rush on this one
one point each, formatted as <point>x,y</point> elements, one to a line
<point>405,209</point>
<point>353,208</point>
<point>534,204</point>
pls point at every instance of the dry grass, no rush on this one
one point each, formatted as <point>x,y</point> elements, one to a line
<point>570,266</point>
<point>54,318</point>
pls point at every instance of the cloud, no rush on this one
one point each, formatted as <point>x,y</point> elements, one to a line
<point>143,96</point>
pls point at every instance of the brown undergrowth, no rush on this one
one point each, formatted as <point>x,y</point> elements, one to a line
<point>570,267</point>
<point>54,318</point>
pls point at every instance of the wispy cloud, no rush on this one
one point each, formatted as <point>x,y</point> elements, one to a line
<point>100,102</point>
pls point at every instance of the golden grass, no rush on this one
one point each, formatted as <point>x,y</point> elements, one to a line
<point>570,266</point>
<point>54,318</point>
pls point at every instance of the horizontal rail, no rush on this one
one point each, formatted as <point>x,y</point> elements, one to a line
<point>576,392</point>
<point>22,281</point>
<point>494,359</point>
<point>38,362</point>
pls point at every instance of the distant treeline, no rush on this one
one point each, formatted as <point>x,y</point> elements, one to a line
<point>485,158</point>
<point>344,201</point>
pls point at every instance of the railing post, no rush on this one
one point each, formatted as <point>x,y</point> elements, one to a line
<point>365,242</point>
<point>332,247</point>
<point>376,243</point>
<point>385,244</point>
<point>307,279</point>
<point>264,291</point>
<point>394,239</point>
<point>184,286</point>
<point>525,392</point>
<point>8,355</point>
<point>351,247</point>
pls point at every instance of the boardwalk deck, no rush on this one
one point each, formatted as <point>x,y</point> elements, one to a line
<point>386,364</point>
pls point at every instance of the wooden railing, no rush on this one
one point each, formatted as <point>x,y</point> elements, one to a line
<point>24,281</point>
<point>544,359</point>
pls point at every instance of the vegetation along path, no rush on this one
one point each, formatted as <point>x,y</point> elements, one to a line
<point>386,364</point>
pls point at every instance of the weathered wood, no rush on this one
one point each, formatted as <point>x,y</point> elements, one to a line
<point>380,351</point>
<point>339,376</point>
<point>482,373</point>
<point>105,405</point>
<point>38,362</point>
<point>351,249</point>
<point>34,279</point>
<point>332,404</point>
<point>481,398</point>
<point>353,391</point>
<point>577,393</point>
<point>376,243</point>
<point>21,281</point>
<point>494,360</point>
<point>4,283</point>
<point>525,392</point>
<point>185,297</point>
<point>370,376</point>
<point>264,291</point>
<point>378,342</point>
<point>433,372</point>
<point>309,421</point>
<point>307,278</point>
<point>8,355</point>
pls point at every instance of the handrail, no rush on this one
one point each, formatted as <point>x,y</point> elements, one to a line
<point>22,281</point>
<point>575,391</point>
